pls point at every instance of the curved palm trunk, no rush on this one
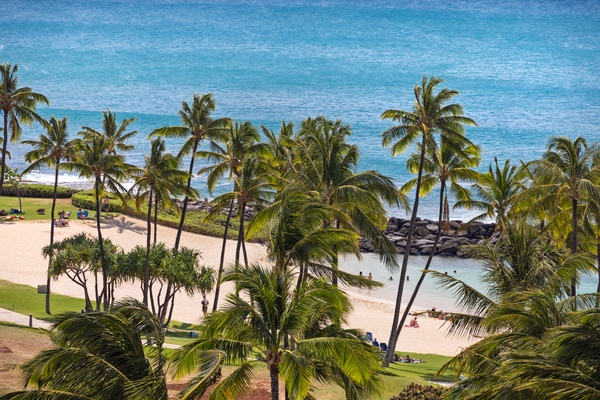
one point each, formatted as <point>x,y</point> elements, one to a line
<point>598,258</point>
<point>242,211</point>
<point>101,245</point>
<point>394,333</point>
<point>51,239</point>
<point>574,245</point>
<point>427,265</point>
<point>185,199</point>
<point>274,372</point>
<point>148,237</point>
<point>4,144</point>
<point>222,261</point>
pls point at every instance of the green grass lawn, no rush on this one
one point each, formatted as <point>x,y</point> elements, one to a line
<point>31,205</point>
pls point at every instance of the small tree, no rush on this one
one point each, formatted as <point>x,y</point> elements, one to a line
<point>13,178</point>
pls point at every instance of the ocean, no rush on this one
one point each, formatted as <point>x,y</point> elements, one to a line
<point>526,70</point>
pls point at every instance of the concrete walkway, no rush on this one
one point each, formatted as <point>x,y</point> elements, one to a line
<point>20,319</point>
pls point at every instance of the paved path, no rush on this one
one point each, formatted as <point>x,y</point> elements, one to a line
<point>20,319</point>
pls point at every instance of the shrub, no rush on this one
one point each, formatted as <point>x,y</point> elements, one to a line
<point>39,191</point>
<point>419,392</point>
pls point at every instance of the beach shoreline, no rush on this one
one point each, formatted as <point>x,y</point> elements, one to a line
<point>25,264</point>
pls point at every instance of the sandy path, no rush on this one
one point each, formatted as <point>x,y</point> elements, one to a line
<point>21,261</point>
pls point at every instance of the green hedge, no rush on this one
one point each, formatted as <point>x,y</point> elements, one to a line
<point>194,220</point>
<point>38,191</point>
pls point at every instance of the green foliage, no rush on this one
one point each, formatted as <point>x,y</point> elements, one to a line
<point>39,191</point>
<point>419,392</point>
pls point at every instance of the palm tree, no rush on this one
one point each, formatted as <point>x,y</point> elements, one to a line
<point>269,310</point>
<point>50,150</point>
<point>228,147</point>
<point>496,193</point>
<point>329,164</point>
<point>431,115</point>
<point>160,177</point>
<point>280,155</point>
<point>116,137</point>
<point>250,188</point>
<point>18,105</point>
<point>443,165</point>
<point>564,178</point>
<point>525,257</point>
<point>198,125</point>
<point>92,161</point>
<point>100,356</point>
<point>544,351</point>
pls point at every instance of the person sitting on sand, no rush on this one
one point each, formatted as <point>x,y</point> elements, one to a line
<point>375,343</point>
<point>62,221</point>
<point>80,214</point>
<point>414,323</point>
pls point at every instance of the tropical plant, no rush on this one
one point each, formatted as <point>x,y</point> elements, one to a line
<point>228,147</point>
<point>328,166</point>
<point>440,167</point>
<point>99,356</point>
<point>170,272</point>
<point>564,180</point>
<point>18,105</point>
<point>496,193</point>
<point>50,150</point>
<point>524,258</point>
<point>77,257</point>
<point>431,116</point>
<point>253,329</point>
<point>543,350</point>
<point>198,125</point>
<point>14,179</point>
<point>157,181</point>
<point>92,160</point>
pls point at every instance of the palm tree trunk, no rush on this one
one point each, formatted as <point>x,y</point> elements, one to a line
<point>155,217</point>
<point>574,245</point>
<point>274,372</point>
<point>411,229</point>
<point>4,144</point>
<point>598,262</point>
<point>101,245</point>
<point>51,239</point>
<point>148,237</point>
<point>185,199</point>
<point>242,210</point>
<point>428,264</point>
<point>222,261</point>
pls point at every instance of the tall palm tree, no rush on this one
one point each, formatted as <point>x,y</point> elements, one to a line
<point>18,105</point>
<point>50,150</point>
<point>92,161</point>
<point>496,193</point>
<point>228,147</point>
<point>160,178</point>
<point>100,356</point>
<point>269,310</point>
<point>329,165</point>
<point>116,136</point>
<point>565,178</point>
<point>442,166</point>
<point>198,125</point>
<point>250,188</point>
<point>280,156</point>
<point>431,115</point>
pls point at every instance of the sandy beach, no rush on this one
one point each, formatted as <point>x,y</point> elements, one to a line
<point>21,261</point>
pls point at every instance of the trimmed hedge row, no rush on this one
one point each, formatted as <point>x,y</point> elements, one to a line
<point>39,191</point>
<point>86,199</point>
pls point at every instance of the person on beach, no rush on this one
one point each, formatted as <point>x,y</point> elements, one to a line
<point>370,277</point>
<point>106,204</point>
<point>204,303</point>
<point>360,273</point>
<point>414,323</point>
<point>375,343</point>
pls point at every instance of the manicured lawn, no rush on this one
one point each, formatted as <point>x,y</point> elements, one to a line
<point>31,205</point>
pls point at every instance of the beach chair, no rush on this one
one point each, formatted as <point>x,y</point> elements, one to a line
<point>383,346</point>
<point>369,337</point>
<point>85,214</point>
<point>67,215</point>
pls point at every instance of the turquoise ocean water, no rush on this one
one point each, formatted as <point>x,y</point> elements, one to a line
<point>526,70</point>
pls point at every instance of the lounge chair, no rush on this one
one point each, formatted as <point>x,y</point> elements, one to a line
<point>85,214</point>
<point>369,337</point>
<point>383,346</point>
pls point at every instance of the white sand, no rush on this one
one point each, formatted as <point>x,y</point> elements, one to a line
<point>21,261</point>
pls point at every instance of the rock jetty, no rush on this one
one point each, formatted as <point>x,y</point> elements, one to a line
<point>451,241</point>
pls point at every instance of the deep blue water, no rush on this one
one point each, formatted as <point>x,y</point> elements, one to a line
<point>526,70</point>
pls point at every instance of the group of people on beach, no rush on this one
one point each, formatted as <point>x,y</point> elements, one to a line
<point>406,359</point>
